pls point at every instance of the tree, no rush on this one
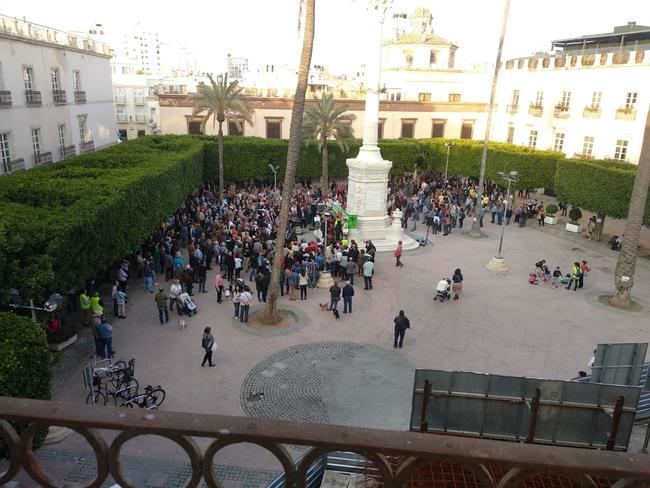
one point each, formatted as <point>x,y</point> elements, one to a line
<point>220,100</point>
<point>626,265</point>
<point>293,152</point>
<point>324,121</point>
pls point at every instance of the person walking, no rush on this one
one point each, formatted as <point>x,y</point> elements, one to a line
<point>161,302</point>
<point>457,286</point>
<point>105,331</point>
<point>398,254</point>
<point>120,299</point>
<point>575,276</point>
<point>348,293</point>
<point>245,300</point>
<point>218,286</point>
<point>401,324</point>
<point>207,343</point>
<point>303,281</point>
<point>557,276</point>
<point>368,270</point>
<point>584,269</point>
<point>175,291</point>
<point>335,295</point>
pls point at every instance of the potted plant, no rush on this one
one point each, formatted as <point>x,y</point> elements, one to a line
<point>574,214</point>
<point>550,218</point>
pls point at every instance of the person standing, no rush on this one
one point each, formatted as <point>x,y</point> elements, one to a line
<point>575,276</point>
<point>350,270</point>
<point>457,286</point>
<point>312,272</point>
<point>203,270</point>
<point>207,343</point>
<point>120,299</point>
<point>584,269</point>
<point>557,276</point>
<point>398,254</point>
<point>149,276</point>
<point>175,291</point>
<point>236,294</point>
<point>116,287</point>
<point>401,324</point>
<point>541,215</point>
<point>335,295</point>
<point>84,303</point>
<point>348,293</point>
<point>218,286</point>
<point>303,281</point>
<point>161,301</point>
<point>245,300</point>
<point>105,331</point>
<point>368,270</point>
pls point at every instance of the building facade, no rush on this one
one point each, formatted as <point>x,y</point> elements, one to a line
<point>55,95</point>
<point>137,111</point>
<point>589,99</point>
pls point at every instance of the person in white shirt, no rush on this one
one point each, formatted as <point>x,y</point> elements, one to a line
<point>175,291</point>
<point>245,300</point>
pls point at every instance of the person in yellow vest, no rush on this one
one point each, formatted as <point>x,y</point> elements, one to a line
<point>84,302</point>
<point>96,307</point>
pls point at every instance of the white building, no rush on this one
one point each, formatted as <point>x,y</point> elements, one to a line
<point>55,95</point>
<point>137,112</point>
<point>589,99</point>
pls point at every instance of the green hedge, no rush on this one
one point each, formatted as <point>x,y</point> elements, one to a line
<point>62,223</point>
<point>25,366</point>
<point>601,188</point>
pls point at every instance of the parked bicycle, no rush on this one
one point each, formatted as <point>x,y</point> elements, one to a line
<point>151,399</point>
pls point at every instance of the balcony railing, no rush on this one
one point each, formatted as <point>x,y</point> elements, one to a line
<point>512,109</point>
<point>33,98</point>
<point>583,156</point>
<point>561,111</point>
<point>626,113</point>
<point>140,118</point>
<point>120,100</point>
<point>87,146</point>
<point>59,97</point>
<point>535,110</point>
<point>79,96</point>
<point>591,112</point>
<point>139,100</point>
<point>121,118</point>
<point>67,152</point>
<point>5,98</point>
<point>395,458</point>
<point>17,165</point>
<point>42,158</point>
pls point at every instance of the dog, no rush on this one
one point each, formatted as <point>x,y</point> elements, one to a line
<point>324,306</point>
<point>182,324</point>
<point>336,314</point>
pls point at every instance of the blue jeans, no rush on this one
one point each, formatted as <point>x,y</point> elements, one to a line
<point>163,314</point>
<point>347,304</point>
<point>148,284</point>
<point>236,309</point>
<point>334,302</point>
<point>107,347</point>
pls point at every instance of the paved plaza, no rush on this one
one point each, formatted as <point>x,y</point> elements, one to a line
<point>346,371</point>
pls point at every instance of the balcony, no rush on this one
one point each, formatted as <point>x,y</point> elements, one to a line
<point>12,166</point>
<point>67,152</point>
<point>535,110</point>
<point>626,113</point>
<point>79,96</point>
<point>33,98</point>
<point>140,118</point>
<point>561,111</point>
<point>42,158</point>
<point>120,100</point>
<point>392,459</point>
<point>591,112</point>
<point>59,97</point>
<point>5,98</point>
<point>512,109</point>
<point>584,156</point>
<point>139,100</point>
<point>121,118</point>
<point>85,147</point>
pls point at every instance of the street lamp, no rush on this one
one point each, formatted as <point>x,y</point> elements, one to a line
<point>275,175</point>
<point>497,263</point>
<point>448,145</point>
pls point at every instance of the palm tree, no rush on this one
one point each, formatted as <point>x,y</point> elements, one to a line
<point>626,265</point>
<point>293,152</point>
<point>220,100</point>
<point>324,121</point>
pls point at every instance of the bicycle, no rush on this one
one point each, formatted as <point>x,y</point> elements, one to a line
<point>151,399</point>
<point>97,396</point>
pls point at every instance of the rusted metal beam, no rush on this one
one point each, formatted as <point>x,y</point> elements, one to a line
<point>426,395</point>
<point>616,422</point>
<point>534,410</point>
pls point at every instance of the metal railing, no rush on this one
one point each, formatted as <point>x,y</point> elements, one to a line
<point>67,151</point>
<point>139,100</point>
<point>121,117</point>
<point>60,97</point>
<point>140,118</point>
<point>396,456</point>
<point>42,158</point>
<point>561,110</point>
<point>14,27</point>
<point>33,98</point>
<point>79,96</point>
<point>120,100</point>
<point>535,110</point>
<point>626,113</point>
<point>591,112</point>
<point>5,98</point>
<point>87,146</point>
<point>512,109</point>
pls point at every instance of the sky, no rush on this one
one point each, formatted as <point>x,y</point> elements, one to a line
<point>265,31</point>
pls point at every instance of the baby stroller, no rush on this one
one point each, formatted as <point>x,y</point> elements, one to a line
<point>442,290</point>
<point>185,305</point>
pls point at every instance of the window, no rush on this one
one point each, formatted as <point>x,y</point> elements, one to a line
<point>28,77</point>
<point>621,150</point>
<point>630,100</point>
<point>587,146</point>
<point>454,97</point>
<point>380,129</point>
<point>61,133</point>
<point>558,141</point>
<point>424,97</point>
<point>272,92</point>
<point>83,128</point>
<point>532,138</point>
<point>511,135</point>
<point>36,140</point>
<point>539,99</point>
<point>141,133</point>
<point>394,95</point>
<point>235,128</point>
<point>467,129</point>
<point>5,152</point>
<point>595,100</point>
<point>76,80</point>
<point>54,76</point>
<point>409,60</point>
<point>408,128</point>
<point>274,128</point>
<point>433,57</point>
<point>566,99</point>
<point>438,129</point>
<point>515,98</point>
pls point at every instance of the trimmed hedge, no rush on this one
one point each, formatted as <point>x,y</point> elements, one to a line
<point>602,188</point>
<point>25,366</point>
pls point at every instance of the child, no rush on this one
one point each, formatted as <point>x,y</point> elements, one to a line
<point>566,279</point>
<point>532,278</point>
<point>557,276</point>
<point>547,273</point>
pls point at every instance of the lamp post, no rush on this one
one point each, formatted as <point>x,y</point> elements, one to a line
<point>498,263</point>
<point>448,145</point>
<point>325,279</point>
<point>275,175</point>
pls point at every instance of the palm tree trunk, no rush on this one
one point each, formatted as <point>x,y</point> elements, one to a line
<point>475,230</point>
<point>626,265</point>
<point>220,161</point>
<point>324,179</point>
<point>293,152</point>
